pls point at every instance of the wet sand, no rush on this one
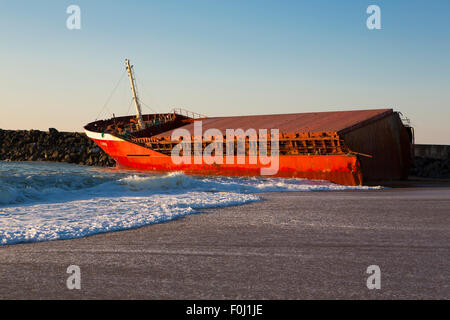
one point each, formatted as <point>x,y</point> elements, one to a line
<point>302,245</point>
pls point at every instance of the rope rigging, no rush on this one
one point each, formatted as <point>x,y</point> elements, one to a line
<point>140,85</point>
<point>105,106</point>
<point>110,96</point>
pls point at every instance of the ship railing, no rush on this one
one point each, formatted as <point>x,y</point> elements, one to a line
<point>287,145</point>
<point>187,113</point>
<point>160,119</point>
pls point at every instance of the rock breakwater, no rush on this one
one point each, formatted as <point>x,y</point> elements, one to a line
<point>36,145</point>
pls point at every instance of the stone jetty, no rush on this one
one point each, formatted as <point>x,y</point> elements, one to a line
<point>35,145</point>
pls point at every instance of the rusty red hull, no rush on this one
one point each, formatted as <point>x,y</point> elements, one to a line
<point>340,169</point>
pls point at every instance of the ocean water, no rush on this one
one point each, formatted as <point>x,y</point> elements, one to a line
<point>48,201</point>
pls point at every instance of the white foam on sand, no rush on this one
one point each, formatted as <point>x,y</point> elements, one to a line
<point>63,202</point>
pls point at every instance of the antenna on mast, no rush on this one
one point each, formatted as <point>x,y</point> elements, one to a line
<point>140,121</point>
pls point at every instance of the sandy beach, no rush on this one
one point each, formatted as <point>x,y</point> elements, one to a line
<point>299,245</point>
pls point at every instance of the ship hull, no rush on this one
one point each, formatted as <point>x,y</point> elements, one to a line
<point>340,169</point>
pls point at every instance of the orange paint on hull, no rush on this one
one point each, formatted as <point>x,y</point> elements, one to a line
<point>340,169</point>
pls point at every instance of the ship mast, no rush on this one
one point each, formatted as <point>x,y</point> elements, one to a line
<point>140,121</point>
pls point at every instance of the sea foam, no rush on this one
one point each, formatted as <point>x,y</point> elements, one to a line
<point>50,201</point>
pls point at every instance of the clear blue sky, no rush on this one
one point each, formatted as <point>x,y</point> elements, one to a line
<point>225,58</point>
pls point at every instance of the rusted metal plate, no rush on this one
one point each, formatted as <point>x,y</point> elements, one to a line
<point>292,123</point>
<point>387,141</point>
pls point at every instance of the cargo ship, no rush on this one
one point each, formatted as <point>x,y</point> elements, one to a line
<point>344,147</point>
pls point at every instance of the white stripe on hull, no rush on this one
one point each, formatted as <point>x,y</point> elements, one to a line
<point>102,136</point>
